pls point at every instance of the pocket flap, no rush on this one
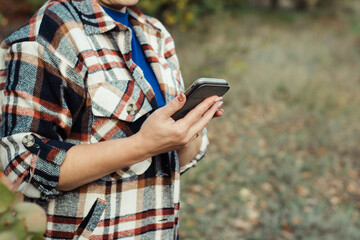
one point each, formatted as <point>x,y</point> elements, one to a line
<point>121,99</point>
<point>91,220</point>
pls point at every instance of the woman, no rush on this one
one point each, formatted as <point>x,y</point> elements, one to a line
<point>86,131</point>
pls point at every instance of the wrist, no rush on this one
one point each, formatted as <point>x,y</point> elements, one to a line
<point>143,146</point>
<point>188,153</point>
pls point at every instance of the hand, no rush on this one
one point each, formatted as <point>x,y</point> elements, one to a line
<point>160,133</point>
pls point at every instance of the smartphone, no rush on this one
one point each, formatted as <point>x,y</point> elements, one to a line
<point>199,91</point>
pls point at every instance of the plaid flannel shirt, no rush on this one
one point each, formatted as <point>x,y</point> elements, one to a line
<point>67,78</point>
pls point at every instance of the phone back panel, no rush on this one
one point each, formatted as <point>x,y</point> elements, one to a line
<point>198,95</point>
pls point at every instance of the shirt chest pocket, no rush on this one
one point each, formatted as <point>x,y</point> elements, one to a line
<point>121,99</point>
<point>117,104</point>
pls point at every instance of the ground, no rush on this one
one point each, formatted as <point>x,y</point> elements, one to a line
<point>284,159</point>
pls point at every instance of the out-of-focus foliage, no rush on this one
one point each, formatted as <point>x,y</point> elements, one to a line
<point>186,12</point>
<point>18,219</point>
<point>3,20</point>
<point>182,12</point>
<point>35,3</point>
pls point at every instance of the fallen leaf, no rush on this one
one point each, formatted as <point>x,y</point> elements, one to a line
<point>243,225</point>
<point>302,191</point>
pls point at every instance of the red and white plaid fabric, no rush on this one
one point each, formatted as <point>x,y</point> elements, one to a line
<point>67,78</point>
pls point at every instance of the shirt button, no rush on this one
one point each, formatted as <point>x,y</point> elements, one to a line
<point>28,141</point>
<point>131,109</point>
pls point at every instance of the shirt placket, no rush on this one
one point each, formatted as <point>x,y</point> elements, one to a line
<point>135,71</point>
<point>156,66</point>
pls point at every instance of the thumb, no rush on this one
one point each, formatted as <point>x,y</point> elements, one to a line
<point>174,105</point>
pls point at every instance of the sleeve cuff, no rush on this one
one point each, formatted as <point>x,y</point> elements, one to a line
<point>50,155</point>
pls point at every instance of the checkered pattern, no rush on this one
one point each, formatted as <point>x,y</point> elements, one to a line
<point>67,78</point>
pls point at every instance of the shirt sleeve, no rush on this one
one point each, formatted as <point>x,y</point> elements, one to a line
<point>36,119</point>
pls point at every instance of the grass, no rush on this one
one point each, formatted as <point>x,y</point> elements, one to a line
<point>284,159</point>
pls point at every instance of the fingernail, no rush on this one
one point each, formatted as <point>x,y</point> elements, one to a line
<point>181,97</point>
<point>218,99</point>
<point>219,104</point>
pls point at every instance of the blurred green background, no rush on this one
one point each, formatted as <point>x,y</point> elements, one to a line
<point>284,160</point>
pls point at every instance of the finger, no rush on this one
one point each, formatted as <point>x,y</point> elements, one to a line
<point>173,106</point>
<point>205,119</point>
<point>194,115</point>
<point>218,113</point>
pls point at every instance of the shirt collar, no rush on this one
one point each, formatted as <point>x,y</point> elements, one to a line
<point>97,21</point>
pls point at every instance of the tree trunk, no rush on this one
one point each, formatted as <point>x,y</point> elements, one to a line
<point>301,5</point>
<point>274,4</point>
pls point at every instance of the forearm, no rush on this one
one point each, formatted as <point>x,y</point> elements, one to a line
<point>158,134</point>
<point>88,162</point>
<point>189,152</point>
